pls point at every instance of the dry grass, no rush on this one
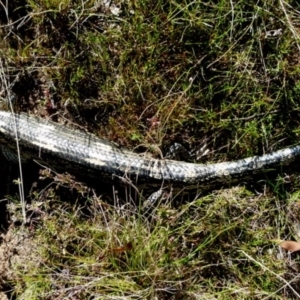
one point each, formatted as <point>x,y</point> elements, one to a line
<point>219,246</point>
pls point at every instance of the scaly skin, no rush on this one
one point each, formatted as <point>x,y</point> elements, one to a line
<point>77,151</point>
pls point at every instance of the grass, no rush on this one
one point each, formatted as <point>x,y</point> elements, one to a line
<point>218,246</point>
<point>146,74</point>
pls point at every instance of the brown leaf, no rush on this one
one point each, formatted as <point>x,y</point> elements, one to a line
<point>290,246</point>
<point>126,247</point>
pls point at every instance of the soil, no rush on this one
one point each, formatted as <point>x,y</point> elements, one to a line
<point>16,250</point>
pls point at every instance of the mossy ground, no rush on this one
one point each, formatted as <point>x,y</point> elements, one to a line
<point>145,74</point>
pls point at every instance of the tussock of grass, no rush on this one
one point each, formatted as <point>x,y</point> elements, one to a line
<point>218,245</point>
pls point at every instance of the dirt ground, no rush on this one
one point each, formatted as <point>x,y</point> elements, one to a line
<point>16,250</point>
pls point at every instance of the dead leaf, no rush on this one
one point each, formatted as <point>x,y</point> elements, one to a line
<point>291,246</point>
<point>126,247</point>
